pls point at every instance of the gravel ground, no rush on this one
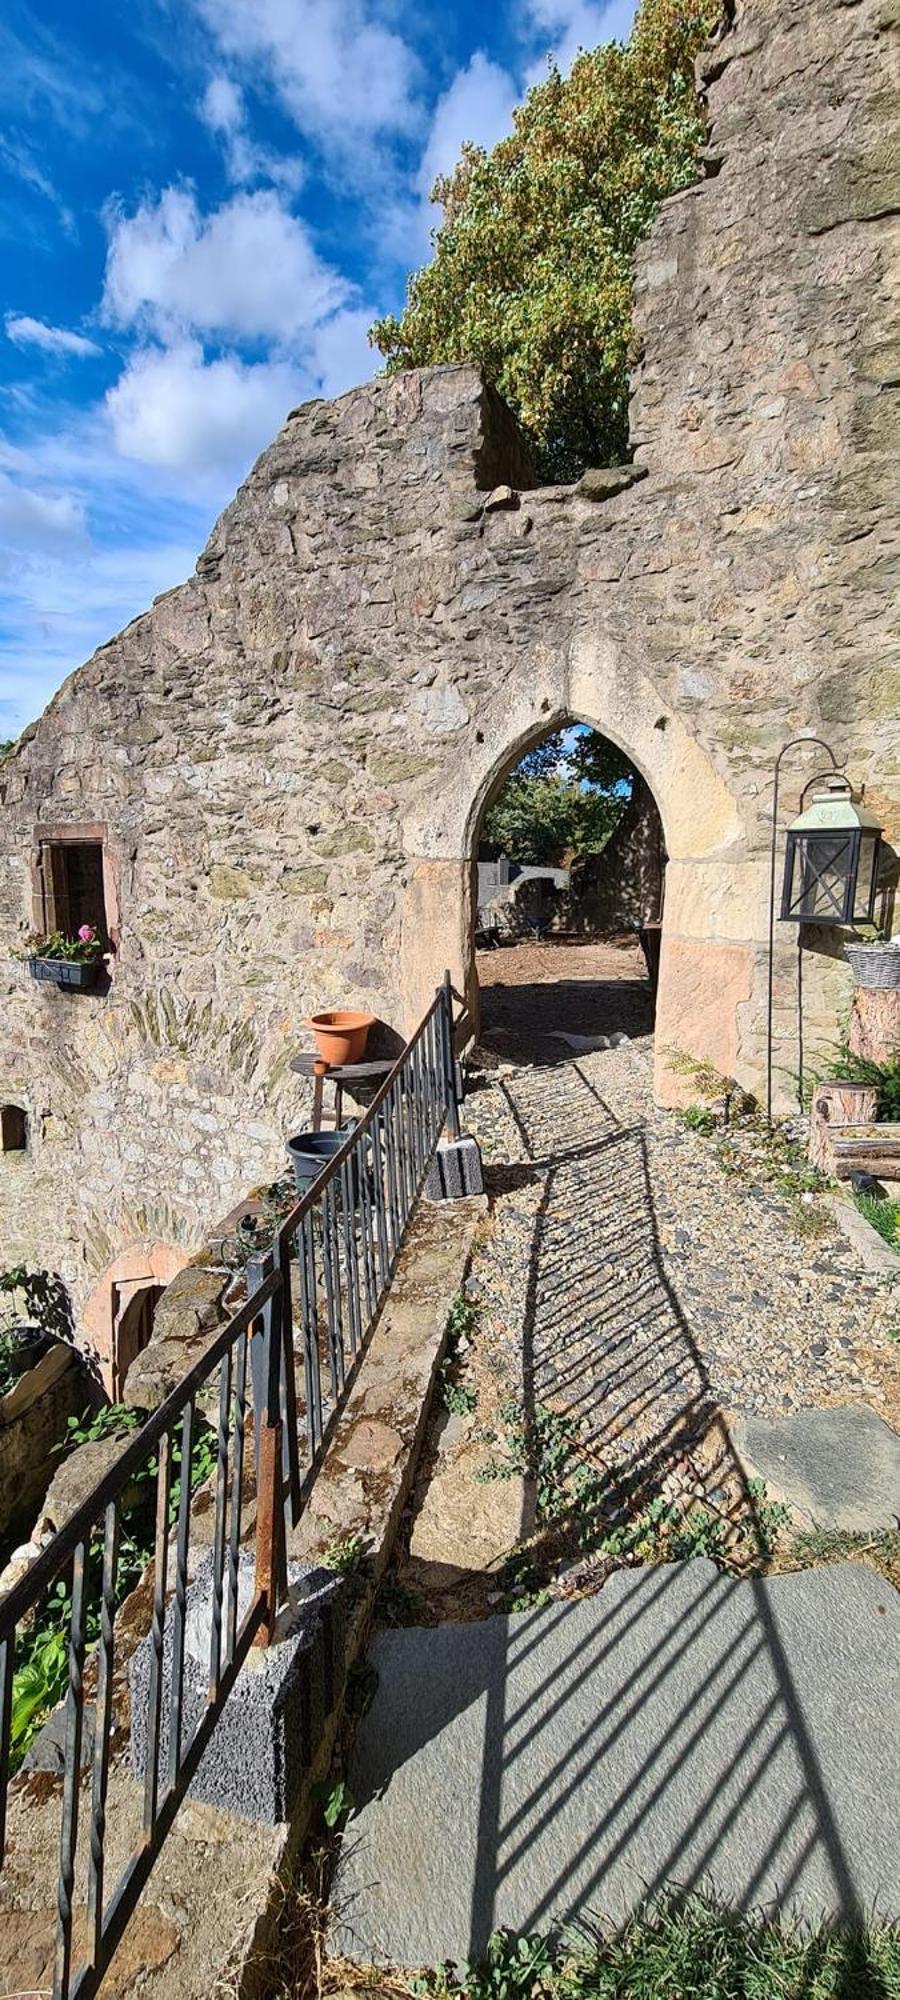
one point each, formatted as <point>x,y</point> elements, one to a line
<point>625,1277</point>
<point>639,1281</point>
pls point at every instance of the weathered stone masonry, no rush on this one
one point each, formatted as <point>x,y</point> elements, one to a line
<point>291,752</point>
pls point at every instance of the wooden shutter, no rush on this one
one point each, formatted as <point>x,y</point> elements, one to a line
<point>56,888</point>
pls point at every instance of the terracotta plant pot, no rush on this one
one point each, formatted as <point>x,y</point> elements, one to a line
<point>341,1034</point>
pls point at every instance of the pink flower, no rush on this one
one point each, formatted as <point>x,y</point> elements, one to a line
<point>86,933</point>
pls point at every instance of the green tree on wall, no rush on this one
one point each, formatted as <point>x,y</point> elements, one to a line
<point>532,272</point>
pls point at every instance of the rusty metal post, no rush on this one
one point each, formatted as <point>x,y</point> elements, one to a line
<point>453,1123</point>
<point>271,1567</point>
<point>320,1071</point>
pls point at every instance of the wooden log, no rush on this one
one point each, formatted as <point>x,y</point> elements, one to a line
<point>869,1149</point>
<point>886,1169</point>
<point>874,1030</point>
<point>836,1104</point>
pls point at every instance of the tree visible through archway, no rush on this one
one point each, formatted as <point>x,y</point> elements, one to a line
<point>570,865</point>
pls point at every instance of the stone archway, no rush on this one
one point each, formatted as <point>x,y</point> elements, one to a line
<point>118,1316</point>
<point>714,920</point>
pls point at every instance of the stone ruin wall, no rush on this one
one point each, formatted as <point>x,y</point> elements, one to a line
<point>290,753</point>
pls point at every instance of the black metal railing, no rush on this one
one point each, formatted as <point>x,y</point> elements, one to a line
<point>315,1296</point>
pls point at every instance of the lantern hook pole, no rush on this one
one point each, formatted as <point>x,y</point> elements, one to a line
<point>795,742</point>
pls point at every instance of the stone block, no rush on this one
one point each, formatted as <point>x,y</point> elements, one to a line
<point>455,1171</point>
<point>266,1737</point>
<point>835,1468</point>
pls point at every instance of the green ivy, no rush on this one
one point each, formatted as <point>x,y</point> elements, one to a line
<point>606,1512</point>
<point>41,1676</point>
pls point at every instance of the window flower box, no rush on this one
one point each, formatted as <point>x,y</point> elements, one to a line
<point>79,974</point>
<point>73,962</point>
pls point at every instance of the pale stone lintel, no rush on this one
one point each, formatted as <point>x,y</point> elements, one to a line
<point>699,815</point>
<point>599,686</point>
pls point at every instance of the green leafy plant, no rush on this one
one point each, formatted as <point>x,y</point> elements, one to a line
<point>336,1800</point>
<point>82,949</point>
<point>111,1420</point>
<point>41,1675</point>
<point>41,1678</point>
<point>532,274</point>
<point>459,1400</point>
<point>842,1066</point>
<point>698,1118</point>
<point>883,1215</point>
<point>462,1321</point>
<point>608,1512</point>
<point>344,1555</point>
<point>679,1947</point>
<point>523,1582</point>
<point>16,1357</point>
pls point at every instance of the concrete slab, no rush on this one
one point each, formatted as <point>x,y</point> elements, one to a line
<point>836,1468</point>
<point>682,1727</point>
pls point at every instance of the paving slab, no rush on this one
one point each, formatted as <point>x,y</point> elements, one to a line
<point>838,1467</point>
<point>681,1727</point>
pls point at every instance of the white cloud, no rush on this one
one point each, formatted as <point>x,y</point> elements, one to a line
<point>341,356</point>
<point>53,339</point>
<point>172,408</point>
<point>477,107</point>
<point>339,72</point>
<point>222,110</point>
<point>19,160</point>
<point>34,520</point>
<point>248,271</point>
<point>57,611</point>
<point>571,25</point>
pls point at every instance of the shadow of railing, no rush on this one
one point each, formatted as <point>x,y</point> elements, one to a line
<point>666,1731</point>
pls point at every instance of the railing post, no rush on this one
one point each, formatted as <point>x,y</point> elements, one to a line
<point>271,1568</point>
<point>446,989</point>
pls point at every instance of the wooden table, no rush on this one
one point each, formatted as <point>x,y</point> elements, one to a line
<point>307,1063</point>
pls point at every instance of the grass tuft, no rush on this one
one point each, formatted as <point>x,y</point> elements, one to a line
<point>688,1948</point>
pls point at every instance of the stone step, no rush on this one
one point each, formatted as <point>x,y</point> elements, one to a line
<point>680,1727</point>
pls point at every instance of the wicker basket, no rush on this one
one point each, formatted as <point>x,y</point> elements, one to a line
<point>874,965</point>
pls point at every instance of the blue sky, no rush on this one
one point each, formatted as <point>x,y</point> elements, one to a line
<point>203,205</point>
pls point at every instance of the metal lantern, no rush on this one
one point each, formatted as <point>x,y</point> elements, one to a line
<point>831,862</point>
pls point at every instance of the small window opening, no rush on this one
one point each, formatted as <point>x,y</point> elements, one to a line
<point>72,887</point>
<point>13,1129</point>
<point>134,1310</point>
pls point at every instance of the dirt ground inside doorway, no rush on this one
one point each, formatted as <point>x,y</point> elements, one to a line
<point>582,987</point>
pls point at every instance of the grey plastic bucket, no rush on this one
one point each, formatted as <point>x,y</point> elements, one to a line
<point>310,1153</point>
